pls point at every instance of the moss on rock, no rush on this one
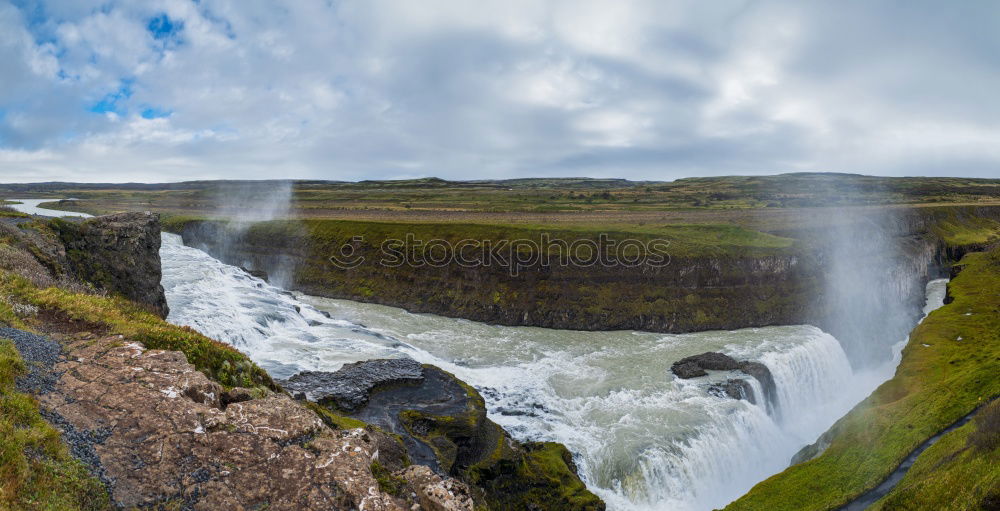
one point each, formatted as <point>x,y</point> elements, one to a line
<point>511,475</point>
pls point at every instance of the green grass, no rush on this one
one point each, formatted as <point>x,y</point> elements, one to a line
<point>934,385</point>
<point>684,239</point>
<point>334,420</point>
<point>388,483</point>
<point>117,315</point>
<point>36,469</point>
<point>957,473</point>
<point>956,229</point>
<point>8,212</point>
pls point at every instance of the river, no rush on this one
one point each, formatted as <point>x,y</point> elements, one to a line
<point>30,206</point>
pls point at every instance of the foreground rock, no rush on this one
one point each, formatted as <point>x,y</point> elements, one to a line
<point>444,427</point>
<point>697,365</point>
<point>349,388</point>
<point>161,436</point>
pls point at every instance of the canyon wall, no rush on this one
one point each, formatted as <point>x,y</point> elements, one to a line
<point>704,292</point>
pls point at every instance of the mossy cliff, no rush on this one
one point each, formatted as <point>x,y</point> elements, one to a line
<point>45,280</point>
<point>115,254</point>
<point>948,369</point>
<point>42,289</point>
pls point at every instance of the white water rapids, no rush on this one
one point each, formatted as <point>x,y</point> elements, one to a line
<point>642,438</point>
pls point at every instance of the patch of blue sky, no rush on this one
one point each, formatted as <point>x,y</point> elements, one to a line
<point>113,102</point>
<point>152,112</point>
<point>164,28</point>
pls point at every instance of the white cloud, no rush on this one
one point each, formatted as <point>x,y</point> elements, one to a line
<point>389,88</point>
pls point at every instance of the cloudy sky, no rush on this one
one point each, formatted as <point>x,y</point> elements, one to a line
<point>167,90</point>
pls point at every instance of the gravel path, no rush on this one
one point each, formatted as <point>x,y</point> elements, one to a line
<point>40,354</point>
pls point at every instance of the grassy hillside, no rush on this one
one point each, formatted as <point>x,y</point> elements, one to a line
<point>960,472</point>
<point>949,368</point>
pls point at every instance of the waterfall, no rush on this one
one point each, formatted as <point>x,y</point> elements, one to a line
<point>809,378</point>
<point>642,439</point>
<point>874,271</point>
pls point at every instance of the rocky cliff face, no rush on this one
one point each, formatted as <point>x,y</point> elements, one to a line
<point>117,253</point>
<point>724,291</point>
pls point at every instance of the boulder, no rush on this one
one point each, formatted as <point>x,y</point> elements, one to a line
<point>687,370</point>
<point>761,373</point>
<point>260,274</point>
<point>695,365</point>
<point>734,388</point>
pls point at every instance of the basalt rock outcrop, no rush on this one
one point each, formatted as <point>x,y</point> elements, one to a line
<point>443,425</point>
<point>697,366</point>
<point>735,388</point>
<point>348,389</point>
<point>117,253</point>
<point>762,374</point>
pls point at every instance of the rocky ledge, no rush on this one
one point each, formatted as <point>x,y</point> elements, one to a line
<point>443,424</point>
<point>696,366</point>
<point>160,434</point>
<point>118,253</point>
<point>348,389</point>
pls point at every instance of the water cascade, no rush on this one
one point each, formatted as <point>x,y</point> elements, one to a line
<point>642,439</point>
